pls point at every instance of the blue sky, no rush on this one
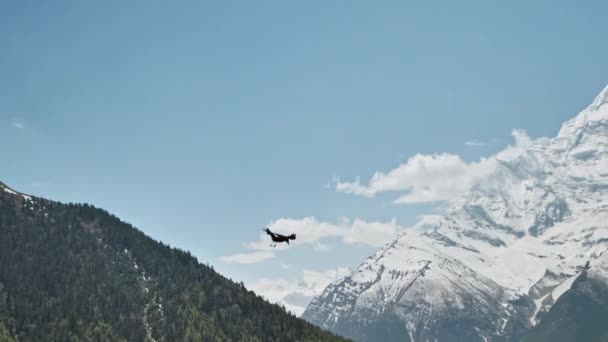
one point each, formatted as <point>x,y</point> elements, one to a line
<point>202,122</point>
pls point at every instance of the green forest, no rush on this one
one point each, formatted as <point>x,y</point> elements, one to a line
<point>72,272</point>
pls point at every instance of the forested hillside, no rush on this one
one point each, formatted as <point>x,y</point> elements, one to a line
<point>72,272</point>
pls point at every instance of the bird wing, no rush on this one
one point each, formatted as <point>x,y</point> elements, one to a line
<point>273,235</point>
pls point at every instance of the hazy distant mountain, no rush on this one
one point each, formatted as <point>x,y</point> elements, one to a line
<point>500,258</point>
<point>76,273</point>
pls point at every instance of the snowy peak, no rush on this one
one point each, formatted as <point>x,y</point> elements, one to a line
<point>595,114</point>
<point>600,100</point>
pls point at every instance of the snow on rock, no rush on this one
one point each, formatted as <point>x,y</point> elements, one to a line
<point>13,192</point>
<point>563,287</point>
<point>599,268</point>
<point>599,102</point>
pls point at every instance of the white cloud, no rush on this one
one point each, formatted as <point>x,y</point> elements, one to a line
<point>522,142</point>
<point>320,247</point>
<point>16,124</point>
<point>295,294</point>
<point>310,231</point>
<point>430,178</point>
<point>426,222</point>
<point>247,258</point>
<point>424,178</point>
<point>475,143</point>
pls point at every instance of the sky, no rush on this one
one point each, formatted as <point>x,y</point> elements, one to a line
<point>202,122</point>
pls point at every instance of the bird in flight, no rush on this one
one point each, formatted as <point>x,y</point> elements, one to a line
<point>278,238</point>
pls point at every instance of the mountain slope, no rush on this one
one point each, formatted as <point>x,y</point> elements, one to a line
<point>71,272</point>
<point>499,258</point>
<point>581,313</point>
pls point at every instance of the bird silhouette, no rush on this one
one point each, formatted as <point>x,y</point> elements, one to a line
<point>278,238</point>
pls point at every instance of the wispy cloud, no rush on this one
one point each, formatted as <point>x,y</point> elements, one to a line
<point>476,143</point>
<point>320,247</point>
<point>247,258</point>
<point>295,294</point>
<point>16,124</point>
<point>430,178</point>
<point>424,178</point>
<point>312,232</point>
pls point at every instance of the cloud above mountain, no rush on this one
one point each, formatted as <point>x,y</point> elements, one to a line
<point>429,178</point>
<point>295,294</point>
<point>312,232</point>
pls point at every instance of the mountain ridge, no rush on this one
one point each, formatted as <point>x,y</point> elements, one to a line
<point>72,272</point>
<point>521,236</point>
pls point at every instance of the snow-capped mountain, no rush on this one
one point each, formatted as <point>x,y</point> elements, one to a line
<point>499,257</point>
